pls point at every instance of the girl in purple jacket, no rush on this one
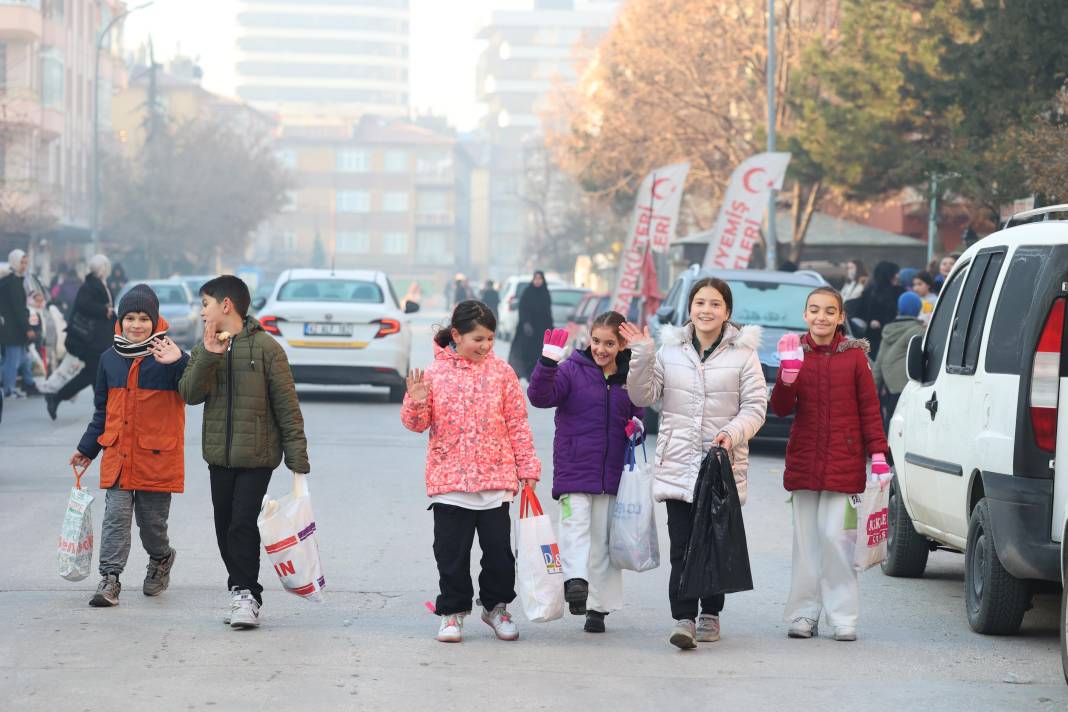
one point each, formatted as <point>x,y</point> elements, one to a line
<point>594,421</point>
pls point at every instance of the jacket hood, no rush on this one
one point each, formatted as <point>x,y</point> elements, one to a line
<point>449,354</point>
<point>749,336</point>
<point>840,344</point>
<point>252,325</point>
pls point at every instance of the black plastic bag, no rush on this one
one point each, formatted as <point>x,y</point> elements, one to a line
<point>717,558</point>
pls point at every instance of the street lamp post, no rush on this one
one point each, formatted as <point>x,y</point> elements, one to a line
<point>95,208</point>
<point>772,242</point>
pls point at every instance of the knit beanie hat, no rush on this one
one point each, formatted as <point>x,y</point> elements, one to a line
<point>140,299</point>
<point>909,304</point>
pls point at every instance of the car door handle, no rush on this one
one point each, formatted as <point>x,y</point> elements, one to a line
<point>932,405</point>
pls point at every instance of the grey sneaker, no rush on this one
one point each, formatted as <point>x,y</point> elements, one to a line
<point>246,611</point>
<point>684,635</point>
<point>845,633</point>
<point>803,628</point>
<point>107,592</point>
<point>158,577</point>
<point>707,628</point>
<point>228,616</point>
<point>501,621</point>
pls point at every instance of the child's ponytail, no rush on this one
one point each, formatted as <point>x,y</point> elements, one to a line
<point>467,315</point>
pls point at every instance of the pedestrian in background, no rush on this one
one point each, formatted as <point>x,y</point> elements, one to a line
<point>481,451</point>
<point>945,266</point>
<point>251,420</point>
<point>923,285</point>
<point>68,290</point>
<point>889,369</point>
<point>878,303</point>
<point>595,419</point>
<point>117,279</point>
<point>139,423</point>
<point>90,330</point>
<point>825,381</point>
<point>15,332</point>
<point>856,278</point>
<point>534,317</point>
<point>491,297</point>
<point>709,375</point>
<point>414,295</point>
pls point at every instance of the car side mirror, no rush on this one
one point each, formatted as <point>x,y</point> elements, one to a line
<point>411,307</point>
<point>259,303</point>
<point>665,314</point>
<point>914,359</point>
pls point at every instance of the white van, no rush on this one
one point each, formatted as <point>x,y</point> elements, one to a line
<point>976,432</point>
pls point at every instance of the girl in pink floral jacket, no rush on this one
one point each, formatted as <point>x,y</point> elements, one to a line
<point>480,451</point>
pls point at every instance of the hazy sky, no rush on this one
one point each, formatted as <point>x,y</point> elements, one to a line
<point>443,49</point>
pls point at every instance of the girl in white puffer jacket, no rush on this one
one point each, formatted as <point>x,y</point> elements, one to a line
<point>714,393</point>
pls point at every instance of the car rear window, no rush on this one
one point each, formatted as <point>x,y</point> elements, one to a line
<point>330,290</point>
<point>170,294</point>
<point>1005,353</point>
<point>770,304</point>
<point>566,297</point>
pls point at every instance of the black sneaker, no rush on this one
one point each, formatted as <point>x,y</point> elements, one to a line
<point>107,592</point>
<point>576,591</point>
<point>594,622</point>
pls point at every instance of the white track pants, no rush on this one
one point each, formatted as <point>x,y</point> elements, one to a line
<point>584,524</point>
<point>823,577</point>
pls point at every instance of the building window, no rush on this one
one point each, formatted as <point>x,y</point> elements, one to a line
<point>433,246</point>
<point>353,161</point>
<point>287,157</point>
<point>433,202</point>
<point>353,243</point>
<point>395,202</point>
<point>396,161</point>
<point>395,243</point>
<point>353,201</point>
<point>52,89</point>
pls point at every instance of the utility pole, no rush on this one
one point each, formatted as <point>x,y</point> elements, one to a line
<point>932,218</point>
<point>771,243</point>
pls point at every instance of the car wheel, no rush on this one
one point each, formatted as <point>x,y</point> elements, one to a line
<point>906,550</point>
<point>396,393</point>
<point>996,600</point>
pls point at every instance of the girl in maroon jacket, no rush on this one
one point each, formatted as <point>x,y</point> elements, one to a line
<point>825,380</point>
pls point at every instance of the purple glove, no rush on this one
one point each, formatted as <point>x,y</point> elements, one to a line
<point>791,358</point>
<point>553,346</point>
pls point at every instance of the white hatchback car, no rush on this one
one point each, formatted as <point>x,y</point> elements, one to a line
<point>343,327</point>
<point>976,434</point>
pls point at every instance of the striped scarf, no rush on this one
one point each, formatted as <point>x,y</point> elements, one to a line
<point>128,349</point>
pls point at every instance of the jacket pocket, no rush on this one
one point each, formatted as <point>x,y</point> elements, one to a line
<point>157,444</point>
<point>108,438</point>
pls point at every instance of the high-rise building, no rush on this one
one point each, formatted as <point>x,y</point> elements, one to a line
<point>324,58</point>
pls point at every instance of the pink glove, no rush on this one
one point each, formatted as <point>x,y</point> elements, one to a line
<point>553,346</point>
<point>634,425</point>
<point>878,465</point>
<point>791,357</point>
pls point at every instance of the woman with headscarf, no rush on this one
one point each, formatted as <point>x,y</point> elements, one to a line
<point>90,330</point>
<point>878,303</point>
<point>535,316</point>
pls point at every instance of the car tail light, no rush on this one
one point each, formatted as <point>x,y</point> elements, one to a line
<point>387,327</point>
<point>270,325</point>
<point>1046,378</point>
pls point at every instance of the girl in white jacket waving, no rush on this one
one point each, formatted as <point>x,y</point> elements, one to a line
<point>709,376</point>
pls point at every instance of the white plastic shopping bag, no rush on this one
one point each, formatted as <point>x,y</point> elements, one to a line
<point>68,368</point>
<point>872,524</point>
<point>539,571</point>
<point>75,552</point>
<point>287,530</point>
<point>632,541</point>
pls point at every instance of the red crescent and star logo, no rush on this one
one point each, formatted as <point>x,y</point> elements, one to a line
<point>656,188</point>
<point>749,174</point>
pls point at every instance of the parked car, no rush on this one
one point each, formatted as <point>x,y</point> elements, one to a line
<point>772,300</point>
<point>177,306</point>
<point>343,327</point>
<point>975,434</point>
<point>589,308</point>
<point>508,311</point>
<point>564,300</point>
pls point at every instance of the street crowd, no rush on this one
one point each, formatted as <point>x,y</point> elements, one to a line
<point>481,456</point>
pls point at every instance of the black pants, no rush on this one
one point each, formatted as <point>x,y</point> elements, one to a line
<point>86,377</point>
<point>454,533</point>
<point>889,405</point>
<point>680,523</point>
<point>236,495</point>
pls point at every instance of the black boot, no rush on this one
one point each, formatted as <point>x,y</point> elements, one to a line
<point>576,591</point>
<point>594,622</point>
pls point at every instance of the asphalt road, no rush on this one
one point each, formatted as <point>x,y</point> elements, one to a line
<point>371,645</point>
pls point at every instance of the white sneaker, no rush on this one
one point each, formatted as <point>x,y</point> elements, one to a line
<point>803,628</point>
<point>246,611</point>
<point>228,616</point>
<point>845,633</point>
<point>451,629</point>
<point>501,621</point>
<point>707,628</point>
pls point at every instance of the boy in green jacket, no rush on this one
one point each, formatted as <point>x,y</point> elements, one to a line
<point>251,418</point>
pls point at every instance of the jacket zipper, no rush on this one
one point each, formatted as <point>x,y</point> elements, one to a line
<point>229,399</point>
<point>607,417</point>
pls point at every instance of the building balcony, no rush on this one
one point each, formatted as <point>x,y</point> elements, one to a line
<point>20,20</point>
<point>438,219</point>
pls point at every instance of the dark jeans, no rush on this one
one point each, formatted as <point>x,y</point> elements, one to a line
<point>87,377</point>
<point>889,405</point>
<point>236,495</point>
<point>454,533</point>
<point>680,523</point>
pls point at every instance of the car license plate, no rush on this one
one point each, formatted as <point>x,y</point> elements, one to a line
<point>315,329</point>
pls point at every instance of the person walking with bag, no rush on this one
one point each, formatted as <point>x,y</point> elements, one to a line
<point>139,423</point>
<point>825,381</point>
<point>595,419</point>
<point>709,376</point>
<point>534,317</point>
<point>481,451</point>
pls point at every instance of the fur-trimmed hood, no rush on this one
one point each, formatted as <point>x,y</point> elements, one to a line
<point>749,336</point>
<point>840,344</point>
